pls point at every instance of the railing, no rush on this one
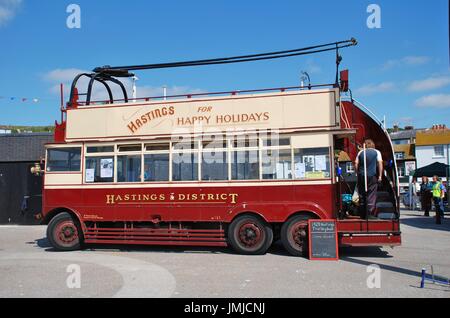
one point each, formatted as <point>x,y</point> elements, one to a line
<point>193,95</point>
<point>382,126</point>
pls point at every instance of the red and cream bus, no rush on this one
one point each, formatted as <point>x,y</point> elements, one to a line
<point>242,168</point>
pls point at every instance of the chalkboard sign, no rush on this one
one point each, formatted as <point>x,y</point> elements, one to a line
<point>323,243</point>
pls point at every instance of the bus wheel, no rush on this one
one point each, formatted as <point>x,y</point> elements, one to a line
<point>294,235</point>
<point>248,234</point>
<point>63,232</point>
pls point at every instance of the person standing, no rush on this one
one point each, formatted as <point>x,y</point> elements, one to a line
<point>425,195</point>
<point>415,193</point>
<point>438,195</point>
<point>374,168</point>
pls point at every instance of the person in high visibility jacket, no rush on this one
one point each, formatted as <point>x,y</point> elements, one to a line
<point>438,195</point>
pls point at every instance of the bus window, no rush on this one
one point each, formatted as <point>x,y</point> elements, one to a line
<point>129,168</point>
<point>157,146</point>
<point>99,169</point>
<point>123,148</point>
<point>276,140</point>
<point>312,163</point>
<point>185,166</point>
<point>214,165</point>
<point>249,141</point>
<point>276,164</point>
<point>245,165</point>
<point>98,149</point>
<point>63,159</point>
<point>156,167</point>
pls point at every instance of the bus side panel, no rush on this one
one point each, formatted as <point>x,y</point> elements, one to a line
<point>274,203</point>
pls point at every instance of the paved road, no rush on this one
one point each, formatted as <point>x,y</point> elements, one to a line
<point>29,268</point>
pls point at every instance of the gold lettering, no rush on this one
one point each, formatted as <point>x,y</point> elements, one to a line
<point>233,197</point>
<point>109,199</point>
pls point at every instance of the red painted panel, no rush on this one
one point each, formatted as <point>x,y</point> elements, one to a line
<point>274,203</point>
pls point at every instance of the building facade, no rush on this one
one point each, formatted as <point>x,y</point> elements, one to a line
<point>20,190</point>
<point>433,145</point>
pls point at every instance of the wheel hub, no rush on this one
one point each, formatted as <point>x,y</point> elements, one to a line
<point>298,233</point>
<point>66,233</point>
<point>250,234</point>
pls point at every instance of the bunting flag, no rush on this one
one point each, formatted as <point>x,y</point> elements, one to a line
<point>25,99</point>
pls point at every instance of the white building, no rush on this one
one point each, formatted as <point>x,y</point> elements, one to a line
<point>433,145</point>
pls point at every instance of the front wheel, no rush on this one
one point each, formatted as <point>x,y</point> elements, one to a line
<point>248,234</point>
<point>64,232</point>
<point>294,235</point>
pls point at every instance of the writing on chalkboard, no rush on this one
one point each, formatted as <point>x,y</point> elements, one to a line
<point>323,240</point>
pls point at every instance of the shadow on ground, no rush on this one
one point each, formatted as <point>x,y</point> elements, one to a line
<point>423,222</point>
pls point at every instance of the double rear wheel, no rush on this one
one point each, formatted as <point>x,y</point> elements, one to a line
<point>294,235</point>
<point>249,234</point>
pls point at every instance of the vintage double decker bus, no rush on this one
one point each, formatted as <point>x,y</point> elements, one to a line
<point>241,168</point>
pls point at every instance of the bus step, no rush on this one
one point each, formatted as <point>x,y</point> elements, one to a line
<point>383,196</point>
<point>385,204</point>
<point>387,215</point>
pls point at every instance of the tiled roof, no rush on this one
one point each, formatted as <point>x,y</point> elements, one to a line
<point>404,134</point>
<point>23,147</point>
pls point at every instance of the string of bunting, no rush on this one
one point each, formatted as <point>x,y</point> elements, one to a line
<point>23,99</point>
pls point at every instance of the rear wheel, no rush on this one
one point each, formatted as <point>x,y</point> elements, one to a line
<point>248,234</point>
<point>64,232</point>
<point>294,235</point>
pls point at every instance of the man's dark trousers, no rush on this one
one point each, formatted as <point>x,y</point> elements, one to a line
<point>437,206</point>
<point>372,186</point>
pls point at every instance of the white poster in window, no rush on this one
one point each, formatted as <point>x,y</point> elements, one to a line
<point>308,162</point>
<point>106,168</point>
<point>90,175</point>
<point>410,166</point>
<point>320,163</point>
<point>299,170</point>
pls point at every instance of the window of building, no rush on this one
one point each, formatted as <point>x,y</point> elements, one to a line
<point>156,167</point>
<point>245,165</point>
<point>312,163</point>
<point>64,159</point>
<point>349,167</point>
<point>99,169</point>
<point>401,171</point>
<point>400,141</point>
<point>185,166</point>
<point>438,151</point>
<point>129,168</point>
<point>400,155</point>
<point>276,164</point>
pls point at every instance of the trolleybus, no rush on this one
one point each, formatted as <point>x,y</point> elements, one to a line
<point>240,168</point>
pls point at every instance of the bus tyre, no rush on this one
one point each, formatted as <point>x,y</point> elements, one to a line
<point>294,235</point>
<point>64,232</point>
<point>250,235</point>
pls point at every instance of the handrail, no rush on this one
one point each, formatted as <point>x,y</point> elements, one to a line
<point>145,99</point>
<point>374,117</point>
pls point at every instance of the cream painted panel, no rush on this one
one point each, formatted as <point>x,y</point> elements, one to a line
<point>62,178</point>
<point>286,110</point>
<point>311,140</point>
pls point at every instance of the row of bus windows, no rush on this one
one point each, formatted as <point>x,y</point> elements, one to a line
<point>279,164</point>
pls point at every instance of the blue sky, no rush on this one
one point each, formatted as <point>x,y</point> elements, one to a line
<point>400,70</point>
